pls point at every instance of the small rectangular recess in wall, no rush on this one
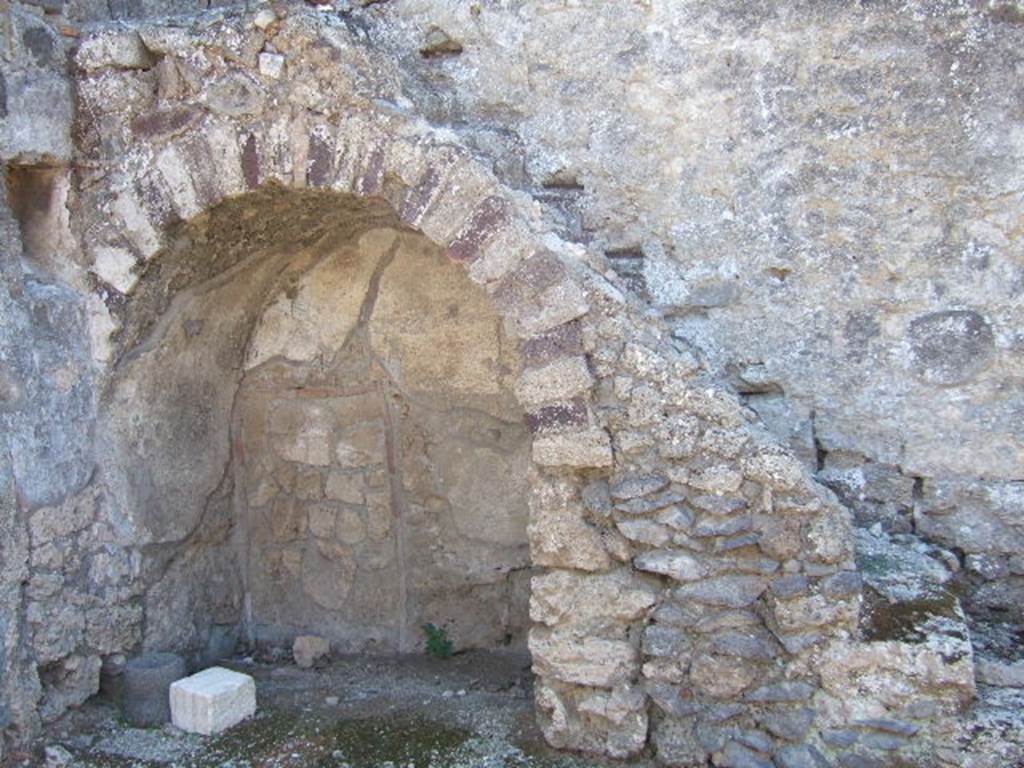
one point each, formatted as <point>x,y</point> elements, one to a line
<point>32,193</point>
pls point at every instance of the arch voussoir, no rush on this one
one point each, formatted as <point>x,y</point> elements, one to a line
<point>177,175</point>
<point>210,155</point>
<point>136,225</point>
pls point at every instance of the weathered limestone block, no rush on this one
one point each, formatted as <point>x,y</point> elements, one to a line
<point>561,538</point>
<point>780,537</point>
<point>234,155</point>
<point>53,523</point>
<point>644,362</point>
<point>591,661</point>
<point>142,233</point>
<point>720,479</point>
<point>612,722</point>
<point>829,538</point>
<point>646,407</point>
<point>677,436</point>
<point>723,677</point>
<point>56,627</point>
<point>120,48</point>
<point>591,448</point>
<point>557,343</point>
<point>715,405</point>
<point>589,602</point>
<point>178,180</point>
<point>450,213</point>
<point>558,380</point>
<point>977,516</point>
<point>814,611</point>
<point>624,711</point>
<point>891,675</point>
<point>307,650</point>
<point>488,217</point>
<point>728,443</point>
<point>775,469</point>
<point>559,535</point>
<point>553,306</point>
<point>71,682</point>
<point>114,628</point>
<point>502,254</point>
<point>114,266</point>
<point>37,114</point>
<point>210,701</point>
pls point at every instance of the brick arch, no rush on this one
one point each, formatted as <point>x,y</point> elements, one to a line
<point>144,168</point>
<point>183,164</point>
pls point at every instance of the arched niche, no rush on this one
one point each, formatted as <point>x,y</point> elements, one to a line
<point>312,426</point>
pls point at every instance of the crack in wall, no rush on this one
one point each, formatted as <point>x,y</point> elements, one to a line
<point>399,505</point>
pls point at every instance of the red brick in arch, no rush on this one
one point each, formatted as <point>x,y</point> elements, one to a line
<point>180,165</point>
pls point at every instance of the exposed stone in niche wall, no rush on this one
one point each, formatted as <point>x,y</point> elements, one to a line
<point>383,455</point>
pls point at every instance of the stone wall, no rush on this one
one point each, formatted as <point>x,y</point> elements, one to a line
<point>824,201</point>
<point>651,293</point>
<point>384,455</point>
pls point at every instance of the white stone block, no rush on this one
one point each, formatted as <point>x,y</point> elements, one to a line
<point>271,65</point>
<point>212,700</point>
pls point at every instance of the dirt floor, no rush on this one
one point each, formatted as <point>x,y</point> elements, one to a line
<point>474,710</point>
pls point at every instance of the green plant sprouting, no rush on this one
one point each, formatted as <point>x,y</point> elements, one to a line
<point>438,644</point>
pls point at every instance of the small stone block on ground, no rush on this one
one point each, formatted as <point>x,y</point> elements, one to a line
<point>213,700</point>
<point>308,650</point>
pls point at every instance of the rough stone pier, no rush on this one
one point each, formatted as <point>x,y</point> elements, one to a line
<point>676,345</point>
